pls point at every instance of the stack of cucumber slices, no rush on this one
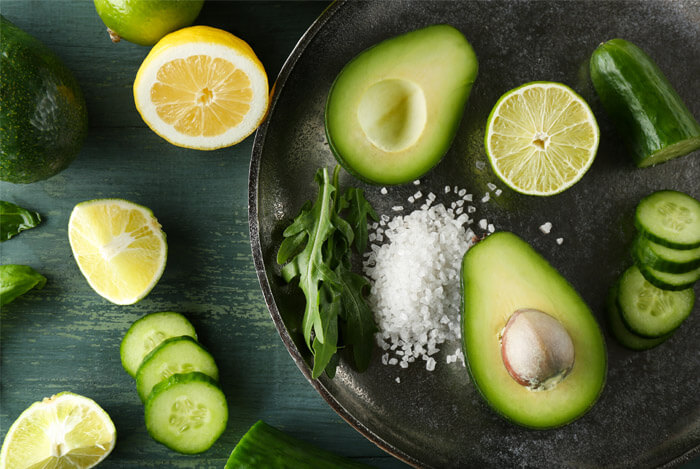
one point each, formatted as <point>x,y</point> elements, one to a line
<point>177,380</point>
<point>654,296</point>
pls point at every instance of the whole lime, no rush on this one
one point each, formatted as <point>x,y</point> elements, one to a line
<point>144,22</point>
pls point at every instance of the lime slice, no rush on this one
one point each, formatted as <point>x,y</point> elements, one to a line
<point>119,248</point>
<point>64,431</point>
<point>541,138</point>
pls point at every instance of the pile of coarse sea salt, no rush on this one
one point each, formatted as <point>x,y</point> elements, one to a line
<point>414,269</point>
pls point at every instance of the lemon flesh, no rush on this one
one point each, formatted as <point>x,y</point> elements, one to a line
<point>541,138</point>
<point>202,88</point>
<point>64,431</point>
<point>119,247</point>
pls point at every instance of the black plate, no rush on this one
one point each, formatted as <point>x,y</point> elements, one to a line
<point>649,412</point>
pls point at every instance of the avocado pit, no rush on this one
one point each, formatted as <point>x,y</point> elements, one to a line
<point>536,349</point>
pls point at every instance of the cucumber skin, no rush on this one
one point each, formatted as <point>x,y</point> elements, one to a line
<point>264,446</point>
<point>654,279</point>
<point>153,353</point>
<point>643,253</point>
<point>644,107</point>
<point>163,386</point>
<point>622,333</point>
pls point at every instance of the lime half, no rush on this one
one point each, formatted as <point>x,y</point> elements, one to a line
<point>64,431</point>
<point>541,138</point>
<point>119,247</point>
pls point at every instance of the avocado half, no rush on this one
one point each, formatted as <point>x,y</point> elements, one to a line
<point>501,275</point>
<point>393,110</point>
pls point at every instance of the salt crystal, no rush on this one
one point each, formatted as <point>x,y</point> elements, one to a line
<point>462,192</point>
<point>483,224</point>
<point>383,191</point>
<point>491,228</point>
<point>498,192</point>
<point>546,228</point>
<point>471,209</point>
<point>480,164</point>
<point>467,198</point>
<point>447,189</point>
<point>560,241</point>
<point>397,208</point>
<point>416,182</point>
<point>398,380</point>
<point>411,199</point>
<point>486,197</point>
<point>418,195</point>
<point>491,186</point>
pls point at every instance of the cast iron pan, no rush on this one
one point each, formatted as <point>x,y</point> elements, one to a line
<point>649,412</point>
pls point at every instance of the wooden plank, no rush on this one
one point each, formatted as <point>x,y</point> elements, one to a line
<point>66,337</point>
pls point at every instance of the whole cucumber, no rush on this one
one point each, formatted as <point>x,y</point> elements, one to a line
<point>648,113</point>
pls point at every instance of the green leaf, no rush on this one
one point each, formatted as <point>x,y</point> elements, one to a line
<point>14,219</point>
<point>358,211</point>
<point>309,263</point>
<point>329,310</point>
<point>359,327</point>
<point>16,280</point>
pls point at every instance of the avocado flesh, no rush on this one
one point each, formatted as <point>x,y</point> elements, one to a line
<point>394,110</point>
<point>501,275</point>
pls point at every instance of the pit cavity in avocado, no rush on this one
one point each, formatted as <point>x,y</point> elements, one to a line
<point>394,110</point>
<point>555,366</point>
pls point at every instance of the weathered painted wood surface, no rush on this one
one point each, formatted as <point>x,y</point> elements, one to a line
<point>66,337</point>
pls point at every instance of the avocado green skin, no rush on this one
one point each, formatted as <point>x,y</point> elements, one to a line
<point>647,112</point>
<point>521,257</point>
<point>43,116</point>
<point>145,22</point>
<point>265,447</point>
<point>458,97</point>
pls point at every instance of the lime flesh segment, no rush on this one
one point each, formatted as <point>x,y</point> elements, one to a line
<point>64,431</point>
<point>119,247</point>
<point>541,138</point>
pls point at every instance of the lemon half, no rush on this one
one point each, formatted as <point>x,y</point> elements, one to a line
<point>541,138</point>
<point>202,88</point>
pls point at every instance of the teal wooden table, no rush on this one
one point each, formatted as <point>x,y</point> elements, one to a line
<point>66,337</point>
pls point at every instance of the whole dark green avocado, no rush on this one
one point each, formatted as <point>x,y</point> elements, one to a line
<point>43,117</point>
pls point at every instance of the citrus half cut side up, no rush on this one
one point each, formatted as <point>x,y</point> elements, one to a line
<point>541,138</point>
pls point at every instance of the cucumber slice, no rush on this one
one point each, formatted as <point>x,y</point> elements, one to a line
<point>665,259</point>
<point>187,412</point>
<point>647,112</point>
<point>147,333</point>
<point>174,355</point>
<point>667,281</point>
<point>263,446</point>
<point>649,311</point>
<point>623,335</point>
<point>670,218</point>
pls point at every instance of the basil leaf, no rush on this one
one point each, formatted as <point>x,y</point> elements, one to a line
<point>14,219</point>
<point>16,280</point>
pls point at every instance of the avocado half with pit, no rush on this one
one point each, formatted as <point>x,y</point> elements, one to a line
<point>534,350</point>
<point>394,110</point>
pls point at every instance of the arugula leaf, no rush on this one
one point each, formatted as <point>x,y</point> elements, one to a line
<point>317,249</point>
<point>359,209</point>
<point>360,326</point>
<point>16,280</point>
<point>309,264</point>
<point>14,219</point>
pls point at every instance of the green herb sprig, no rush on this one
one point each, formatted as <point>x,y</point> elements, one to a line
<point>317,249</point>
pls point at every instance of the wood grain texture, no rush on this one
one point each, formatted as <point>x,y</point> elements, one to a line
<point>66,337</point>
